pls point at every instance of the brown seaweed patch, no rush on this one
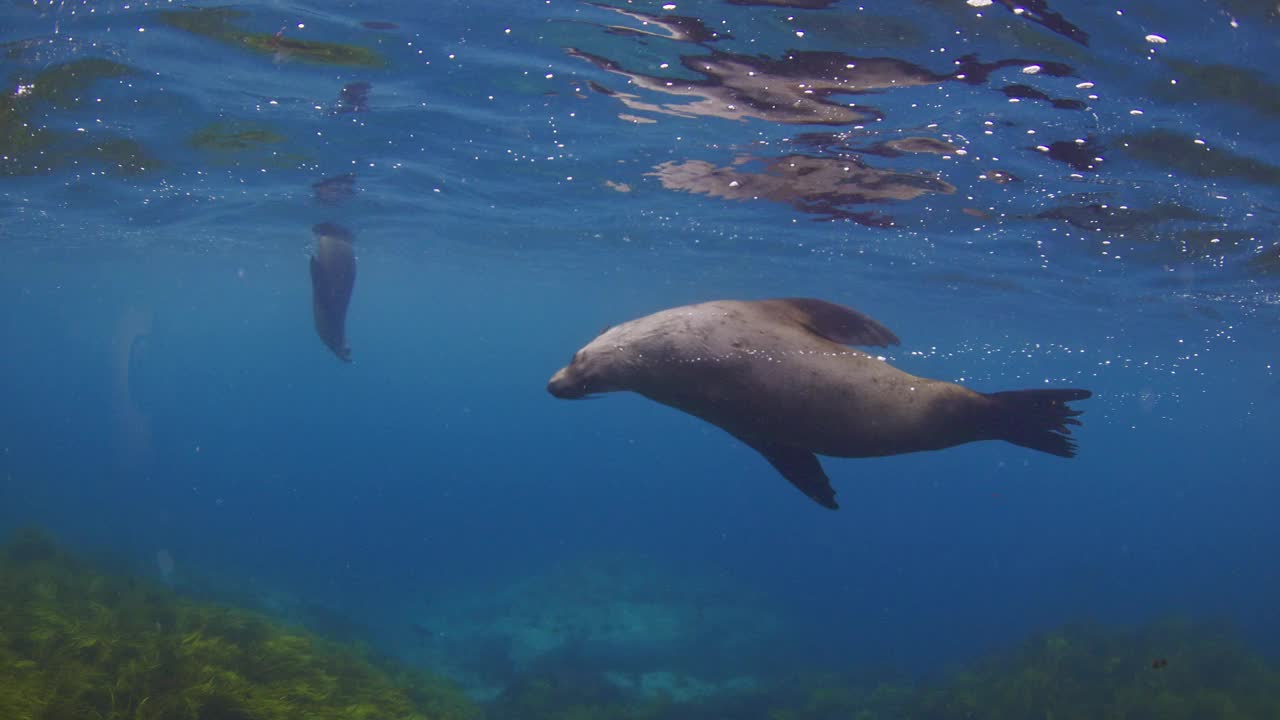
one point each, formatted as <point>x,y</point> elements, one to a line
<point>216,24</point>
<point>1179,152</point>
<point>815,185</point>
<point>233,137</point>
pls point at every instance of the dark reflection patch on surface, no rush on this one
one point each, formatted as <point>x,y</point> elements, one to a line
<point>25,48</point>
<point>674,27</point>
<point>1083,156</point>
<point>379,25</point>
<point>1038,12</point>
<point>842,142</point>
<point>1266,262</point>
<point>817,185</point>
<point>797,4</point>
<point>1166,235</point>
<point>1226,83</point>
<point>335,190</point>
<point>1121,219</point>
<point>354,97</point>
<point>795,89</point>
<point>1176,151</point>
<point>24,148</point>
<point>1026,92</point>
<point>999,177</point>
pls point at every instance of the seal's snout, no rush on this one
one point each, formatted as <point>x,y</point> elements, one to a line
<point>560,386</point>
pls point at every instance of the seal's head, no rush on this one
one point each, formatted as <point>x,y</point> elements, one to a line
<point>596,368</point>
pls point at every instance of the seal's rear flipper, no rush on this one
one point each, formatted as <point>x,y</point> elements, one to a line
<point>802,469</point>
<point>1037,419</point>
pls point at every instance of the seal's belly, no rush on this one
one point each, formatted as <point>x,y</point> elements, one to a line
<point>832,401</point>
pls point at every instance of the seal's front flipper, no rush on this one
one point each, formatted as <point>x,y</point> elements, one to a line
<point>836,323</point>
<point>802,469</point>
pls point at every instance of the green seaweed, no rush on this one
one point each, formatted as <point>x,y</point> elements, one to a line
<point>218,24</point>
<point>78,644</point>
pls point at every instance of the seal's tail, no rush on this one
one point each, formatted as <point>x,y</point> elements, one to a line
<point>1037,419</point>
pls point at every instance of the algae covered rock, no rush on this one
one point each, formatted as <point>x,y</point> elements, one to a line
<point>75,643</point>
<point>1173,670</point>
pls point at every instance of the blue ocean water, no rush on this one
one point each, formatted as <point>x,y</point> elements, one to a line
<point>1083,195</point>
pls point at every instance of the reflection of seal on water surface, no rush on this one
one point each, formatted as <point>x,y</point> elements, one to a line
<point>776,374</point>
<point>333,276</point>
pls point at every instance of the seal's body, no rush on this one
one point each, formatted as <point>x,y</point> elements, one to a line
<point>333,277</point>
<point>777,375</point>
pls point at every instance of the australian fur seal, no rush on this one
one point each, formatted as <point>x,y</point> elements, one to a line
<point>333,276</point>
<point>777,375</point>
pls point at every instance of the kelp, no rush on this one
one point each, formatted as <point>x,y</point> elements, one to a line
<point>218,24</point>
<point>75,643</point>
